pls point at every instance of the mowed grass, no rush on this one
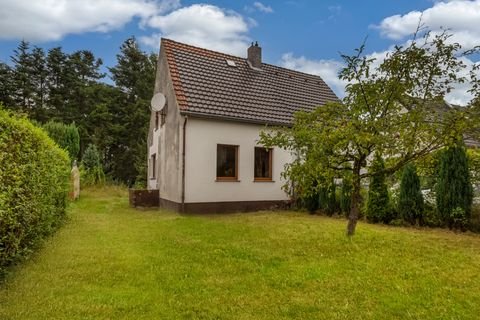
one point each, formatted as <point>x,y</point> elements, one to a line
<point>113,262</point>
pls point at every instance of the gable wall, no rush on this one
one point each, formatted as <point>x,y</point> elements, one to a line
<point>166,141</point>
<point>203,135</point>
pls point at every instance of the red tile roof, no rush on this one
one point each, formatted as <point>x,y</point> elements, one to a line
<point>206,86</point>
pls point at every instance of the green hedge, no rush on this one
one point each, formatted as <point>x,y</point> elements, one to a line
<point>34,184</point>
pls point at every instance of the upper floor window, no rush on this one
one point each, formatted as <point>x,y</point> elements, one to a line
<point>227,162</point>
<point>263,164</point>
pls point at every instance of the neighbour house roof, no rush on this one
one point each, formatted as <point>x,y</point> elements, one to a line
<point>217,85</point>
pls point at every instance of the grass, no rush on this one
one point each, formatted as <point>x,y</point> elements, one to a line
<point>113,262</point>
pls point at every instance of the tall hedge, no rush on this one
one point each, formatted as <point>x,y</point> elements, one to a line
<point>410,200</point>
<point>454,189</point>
<point>378,201</point>
<point>34,176</point>
<point>66,136</point>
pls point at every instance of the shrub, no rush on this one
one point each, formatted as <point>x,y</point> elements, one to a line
<point>91,169</point>
<point>378,203</point>
<point>410,199</point>
<point>66,136</point>
<point>346,196</point>
<point>34,176</point>
<point>454,189</point>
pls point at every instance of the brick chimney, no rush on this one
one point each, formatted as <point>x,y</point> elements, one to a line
<point>255,55</point>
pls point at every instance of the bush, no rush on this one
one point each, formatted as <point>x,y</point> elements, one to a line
<point>410,199</point>
<point>66,136</point>
<point>454,189</point>
<point>378,202</point>
<point>34,184</point>
<point>346,197</point>
<point>91,171</point>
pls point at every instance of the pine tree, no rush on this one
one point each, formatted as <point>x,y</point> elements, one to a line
<point>6,85</point>
<point>66,136</point>
<point>23,85</point>
<point>91,168</point>
<point>134,74</point>
<point>410,202</point>
<point>377,204</point>
<point>454,190</point>
<point>38,78</point>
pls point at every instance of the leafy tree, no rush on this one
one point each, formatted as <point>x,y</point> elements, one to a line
<point>410,200</point>
<point>389,107</point>
<point>454,189</point>
<point>378,202</point>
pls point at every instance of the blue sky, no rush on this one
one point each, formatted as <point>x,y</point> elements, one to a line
<point>306,35</point>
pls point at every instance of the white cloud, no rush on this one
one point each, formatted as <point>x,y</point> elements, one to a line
<point>205,26</point>
<point>45,20</point>
<point>263,8</point>
<point>461,17</point>
<point>327,69</point>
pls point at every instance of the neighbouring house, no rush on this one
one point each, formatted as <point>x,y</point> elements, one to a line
<point>203,146</point>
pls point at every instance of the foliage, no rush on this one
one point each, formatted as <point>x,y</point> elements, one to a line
<point>66,136</point>
<point>454,189</point>
<point>34,176</point>
<point>378,202</point>
<point>91,169</point>
<point>390,106</point>
<point>345,196</point>
<point>68,88</point>
<point>410,200</point>
<point>328,198</point>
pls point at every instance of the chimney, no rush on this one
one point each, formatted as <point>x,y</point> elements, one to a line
<point>255,55</point>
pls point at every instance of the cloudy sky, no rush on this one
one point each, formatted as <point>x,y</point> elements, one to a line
<point>306,35</point>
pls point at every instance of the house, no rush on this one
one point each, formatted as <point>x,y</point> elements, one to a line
<point>203,144</point>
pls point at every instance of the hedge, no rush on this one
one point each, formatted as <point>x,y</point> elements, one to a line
<point>34,184</point>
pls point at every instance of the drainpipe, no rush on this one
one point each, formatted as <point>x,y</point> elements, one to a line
<point>183,162</point>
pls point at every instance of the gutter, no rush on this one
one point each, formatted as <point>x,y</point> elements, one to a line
<point>183,161</point>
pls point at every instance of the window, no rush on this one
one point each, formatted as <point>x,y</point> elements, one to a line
<point>227,162</point>
<point>156,120</point>
<point>153,165</point>
<point>163,116</point>
<point>263,164</point>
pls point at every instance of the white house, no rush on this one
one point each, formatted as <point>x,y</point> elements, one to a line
<point>203,145</point>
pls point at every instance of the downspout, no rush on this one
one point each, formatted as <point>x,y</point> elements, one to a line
<point>183,162</point>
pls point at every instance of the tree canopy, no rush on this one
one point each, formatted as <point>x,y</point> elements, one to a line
<point>391,107</point>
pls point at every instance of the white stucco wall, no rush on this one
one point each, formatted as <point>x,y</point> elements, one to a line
<point>202,137</point>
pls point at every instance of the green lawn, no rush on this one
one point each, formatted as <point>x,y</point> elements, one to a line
<point>113,262</point>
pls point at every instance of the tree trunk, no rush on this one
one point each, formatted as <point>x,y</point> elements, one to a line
<point>356,198</point>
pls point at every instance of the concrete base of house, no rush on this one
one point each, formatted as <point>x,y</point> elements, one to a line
<point>224,206</point>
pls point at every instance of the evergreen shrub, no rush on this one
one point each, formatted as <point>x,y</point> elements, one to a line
<point>34,184</point>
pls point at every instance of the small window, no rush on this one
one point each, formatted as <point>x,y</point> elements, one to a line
<point>163,116</point>
<point>227,162</point>
<point>263,164</point>
<point>156,120</point>
<point>153,166</point>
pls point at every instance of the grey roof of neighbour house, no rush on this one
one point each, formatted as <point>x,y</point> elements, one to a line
<point>207,86</point>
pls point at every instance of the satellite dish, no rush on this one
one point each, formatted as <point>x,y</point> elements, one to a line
<point>158,102</point>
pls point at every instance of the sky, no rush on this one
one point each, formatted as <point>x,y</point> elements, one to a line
<point>306,35</point>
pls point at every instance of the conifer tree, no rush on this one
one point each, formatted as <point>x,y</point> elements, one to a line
<point>410,202</point>
<point>23,85</point>
<point>377,203</point>
<point>454,191</point>
<point>92,170</point>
